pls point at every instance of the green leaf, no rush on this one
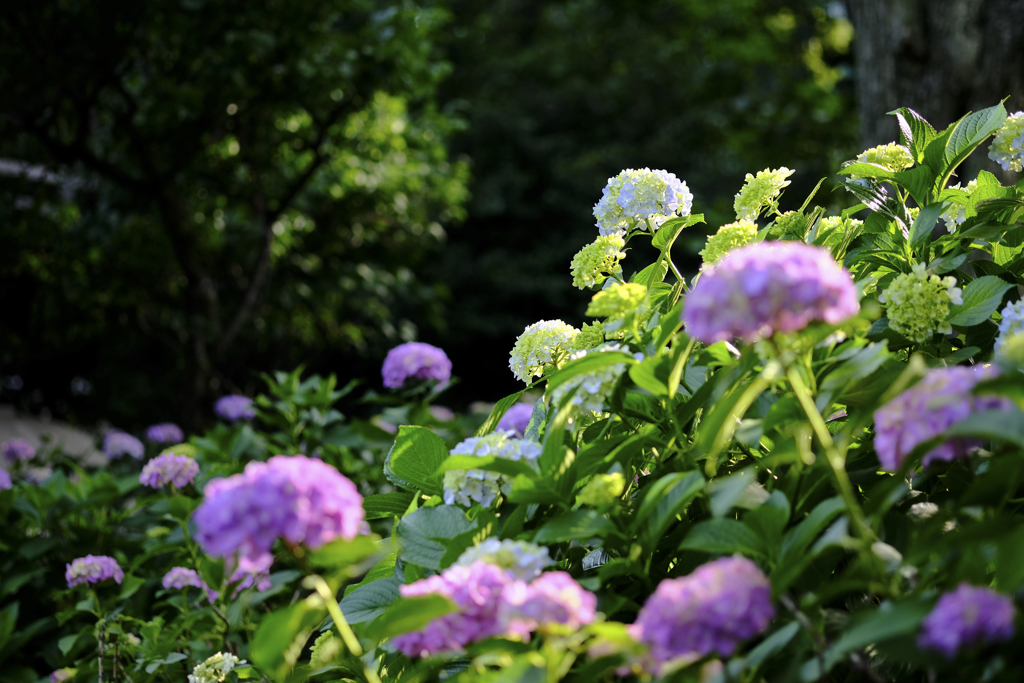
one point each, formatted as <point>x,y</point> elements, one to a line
<point>589,363</point>
<point>999,425</point>
<point>720,422</point>
<point>129,586</point>
<point>971,131</point>
<point>981,297</point>
<point>383,505</point>
<point>420,535</point>
<point>408,614</point>
<point>212,572</point>
<point>916,133</point>
<point>861,364</point>
<point>663,501</point>
<point>921,230</point>
<point>652,374</point>
<point>574,525</point>
<point>281,637</point>
<point>341,553</point>
<point>499,410</point>
<point>371,600</point>
<point>488,463</point>
<point>769,520</point>
<point>414,459</point>
<point>671,228</point>
<point>723,537</point>
<point>726,491</point>
<point>242,442</point>
<point>653,273</point>
<point>8,619</point>
<point>867,170</point>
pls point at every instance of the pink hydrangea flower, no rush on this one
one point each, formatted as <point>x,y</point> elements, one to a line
<point>92,569</point>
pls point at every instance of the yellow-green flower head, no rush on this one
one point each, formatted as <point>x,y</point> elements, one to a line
<point>891,156</point>
<point>728,237</point>
<point>215,669</point>
<point>1010,353</point>
<point>596,260</point>
<point>760,192</point>
<point>544,342</point>
<point>589,337</point>
<point>1007,147</point>
<point>602,489</point>
<point>638,194</point>
<point>839,224</point>
<point>791,224</point>
<point>956,213</point>
<point>617,301</point>
<point>185,449</point>
<point>918,304</point>
<point>325,648</point>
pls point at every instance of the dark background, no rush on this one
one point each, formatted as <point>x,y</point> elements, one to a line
<point>192,193</point>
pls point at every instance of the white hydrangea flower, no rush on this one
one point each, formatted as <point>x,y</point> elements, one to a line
<point>547,341</point>
<point>523,560</point>
<point>638,194</point>
<point>215,669</point>
<point>467,487</point>
<point>1011,324</point>
<point>1007,147</point>
<point>957,211</point>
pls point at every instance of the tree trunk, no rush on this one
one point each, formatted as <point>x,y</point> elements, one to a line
<point>941,58</point>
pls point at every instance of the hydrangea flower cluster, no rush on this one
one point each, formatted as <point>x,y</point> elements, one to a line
<point>117,443</point>
<point>891,157</point>
<point>92,569</point>
<point>177,470</point>
<point>617,301</point>
<point>234,407</point>
<point>17,450</point>
<point>956,213</point>
<point>183,577</point>
<point>516,419</point>
<point>468,486</point>
<point>918,303</point>
<point>602,489</point>
<point>522,560</point>
<point>416,361</point>
<point>1011,324</point>
<point>5,480</point>
<point>215,669</point>
<point>713,609</point>
<point>790,225</point>
<point>596,260</point>
<point>968,616</point>
<point>1010,354</point>
<point>491,602</point>
<point>61,675</point>
<point>942,398</point>
<point>730,236</point>
<point>589,336</point>
<point>590,391</point>
<point>1007,147</point>
<point>299,499</point>
<point>325,648</point>
<point>837,226</point>
<point>760,192</point>
<point>165,432</point>
<point>547,341</point>
<point>635,195</point>
<point>765,288</point>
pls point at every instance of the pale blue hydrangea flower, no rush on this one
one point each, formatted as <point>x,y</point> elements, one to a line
<point>547,341</point>
<point>635,195</point>
<point>215,669</point>
<point>117,443</point>
<point>956,212</point>
<point>760,192</point>
<point>1011,324</point>
<point>467,487</point>
<point>1007,147</point>
<point>524,561</point>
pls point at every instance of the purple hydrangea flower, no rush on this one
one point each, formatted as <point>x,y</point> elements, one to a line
<point>768,287</point>
<point>92,569</point>
<point>254,574</point>
<point>17,450</point>
<point>299,499</point>
<point>711,610</point>
<point>234,408</point>
<point>61,675</point>
<point>516,419</point>
<point>182,577</point>
<point>117,443</point>
<point>942,398</point>
<point>165,432</point>
<point>5,480</point>
<point>477,593</point>
<point>970,615</point>
<point>415,360</point>
<point>169,468</point>
<point>551,598</point>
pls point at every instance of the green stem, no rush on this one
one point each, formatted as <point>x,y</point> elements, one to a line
<point>344,630</point>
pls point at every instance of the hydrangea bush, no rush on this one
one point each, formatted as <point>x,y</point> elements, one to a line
<point>802,463</point>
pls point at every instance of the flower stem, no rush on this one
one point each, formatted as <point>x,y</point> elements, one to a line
<point>344,630</point>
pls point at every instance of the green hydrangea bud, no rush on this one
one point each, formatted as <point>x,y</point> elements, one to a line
<point>617,301</point>
<point>729,237</point>
<point>589,337</point>
<point>602,489</point>
<point>918,304</point>
<point>891,156</point>
<point>542,343</point>
<point>215,669</point>
<point>596,260</point>
<point>325,648</point>
<point>760,192</point>
<point>186,449</point>
<point>791,224</point>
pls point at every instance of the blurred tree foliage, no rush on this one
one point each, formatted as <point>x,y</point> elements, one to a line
<point>197,189</point>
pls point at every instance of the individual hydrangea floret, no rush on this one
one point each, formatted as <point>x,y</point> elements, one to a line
<point>730,236</point>
<point>712,610</point>
<point>215,669</point>
<point>917,303</point>
<point>177,470</point>
<point>17,450</point>
<point>597,260</point>
<point>941,399</point>
<point>5,480</point>
<point>117,443</point>
<point>966,617</point>
<point>636,195</point>
<point>544,342</point>
<point>524,561</point>
<point>760,192</point>
<point>325,648</point>
<point>617,301</point>
<point>467,487</point>
<point>956,212</point>
<point>301,500</point>
<point>61,675</point>
<point>1011,324</point>
<point>766,288</point>
<point>253,574</point>
<point>234,407</point>
<point>602,489</point>
<point>415,361</point>
<point>165,432</point>
<point>891,157</point>
<point>183,577</point>
<point>516,419</point>
<point>1007,148</point>
<point>553,598</point>
<point>92,569</point>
